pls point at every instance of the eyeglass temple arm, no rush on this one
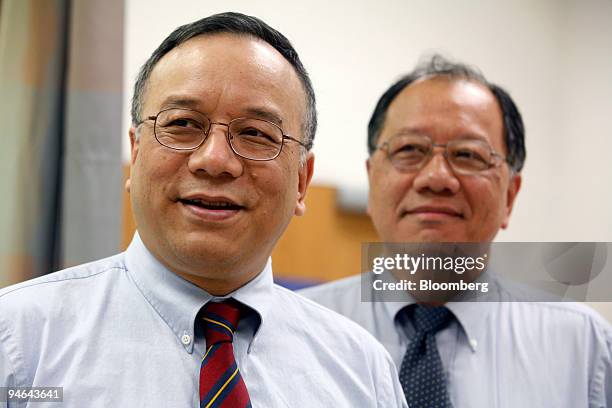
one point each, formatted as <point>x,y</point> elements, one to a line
<point>145,119</point>
<point>307,147</point>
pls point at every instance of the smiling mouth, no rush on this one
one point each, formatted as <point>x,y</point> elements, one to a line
<point>212,205</point>
<point>432,213</point>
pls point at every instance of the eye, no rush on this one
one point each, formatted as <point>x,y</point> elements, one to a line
<point>409,149</point>
<point>183,123</point>
<point>253,134</point>
<point>466,154</point>
<point>412,148</point>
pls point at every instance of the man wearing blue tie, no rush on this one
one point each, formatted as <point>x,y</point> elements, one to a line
<point>446,153</point>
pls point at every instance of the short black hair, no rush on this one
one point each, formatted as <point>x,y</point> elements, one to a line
<point>234,23</point>
<point>437,65</point>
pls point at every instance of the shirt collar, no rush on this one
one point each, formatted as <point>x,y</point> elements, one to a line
<point>258,294</point>
<point>178,301</point>
<point>471,316</point>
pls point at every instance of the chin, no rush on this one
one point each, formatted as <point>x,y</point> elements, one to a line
<point>432,235</point>
<point>197,259</point>
<point>203,249</point>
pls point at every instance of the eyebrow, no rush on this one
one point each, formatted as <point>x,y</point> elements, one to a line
<point>192,103</point>
<point>179,101</point>
<point>417,131</point>
<point>410,131</point>
<point>262,113</point>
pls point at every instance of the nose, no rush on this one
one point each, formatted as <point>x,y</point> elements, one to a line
<point>437,177</point>
<point>215,156</point>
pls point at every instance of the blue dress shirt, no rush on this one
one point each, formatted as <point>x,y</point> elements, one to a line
<point>498,354</point>
<point>119,332</point>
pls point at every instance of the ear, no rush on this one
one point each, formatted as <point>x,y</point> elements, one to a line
<point>304,177</point>
<point>368,170</point>
<point>134,146</point>
<point>513,188</point>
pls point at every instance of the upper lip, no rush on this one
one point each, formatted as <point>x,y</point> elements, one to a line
<point>210,199</point>
<point>443,209</point>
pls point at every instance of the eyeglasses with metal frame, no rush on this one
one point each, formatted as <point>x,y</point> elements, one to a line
<point>250,138</point>
<point>412,152</point>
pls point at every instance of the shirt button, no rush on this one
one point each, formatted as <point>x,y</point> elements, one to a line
<point>474,343</point>
<point>186,339</point>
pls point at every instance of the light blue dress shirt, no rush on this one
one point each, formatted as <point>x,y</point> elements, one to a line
<point>498,354</point>
<point>119,332</point>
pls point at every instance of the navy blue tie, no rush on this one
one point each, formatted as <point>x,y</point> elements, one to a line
<point>421,374</point>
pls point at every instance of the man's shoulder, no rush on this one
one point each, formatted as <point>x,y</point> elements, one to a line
<point>60,286</point>
<point>343,295</point>
<point>48,312</point>
<point>574,316</point>
<point>317,318</point>
<point>327,340</point>
<point>555,328</point>
<point>549,311</point>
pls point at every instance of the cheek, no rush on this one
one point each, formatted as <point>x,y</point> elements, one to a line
<point>276,185</point>
<point>155,174</point>
<point>263,182</point>
<point>393,188</point>
<point>487,198</point>
<point>388,190</point>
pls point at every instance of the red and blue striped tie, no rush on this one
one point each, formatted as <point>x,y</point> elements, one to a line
<point>221,385</point>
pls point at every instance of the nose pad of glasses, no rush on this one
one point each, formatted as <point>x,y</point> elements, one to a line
<point>437,174</point>
<point>215,157</point>
<point>436,161</point>
<point>215,140</point>
<point>208,133</point>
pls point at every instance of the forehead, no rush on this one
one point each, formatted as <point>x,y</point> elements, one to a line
<point>219,71</point>
<point>445,109</point>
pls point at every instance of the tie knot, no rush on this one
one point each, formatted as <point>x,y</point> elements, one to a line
<point>430,319</point>
<point>220,321</point>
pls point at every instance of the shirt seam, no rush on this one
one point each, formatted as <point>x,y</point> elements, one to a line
<point>7,334</point>
<point>597,384</point>
<point>58,280</point>
<point>308,301</point>
<point>12,360</point>
<point>591,318</point>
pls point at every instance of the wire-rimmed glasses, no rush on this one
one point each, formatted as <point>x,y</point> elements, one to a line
<point>411,152</point>
<point>250,138</point>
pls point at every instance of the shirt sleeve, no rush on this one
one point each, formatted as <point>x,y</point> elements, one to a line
<point>7,376</point>
<point>608,387</point>
<point>601,385</point>
<point>389,390</point>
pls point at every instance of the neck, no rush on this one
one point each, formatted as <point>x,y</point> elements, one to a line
<point>219,278</point>
<point>218,287</point>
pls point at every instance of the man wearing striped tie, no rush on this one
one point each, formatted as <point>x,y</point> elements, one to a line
<point>446,152</point>
<point>223,120</point>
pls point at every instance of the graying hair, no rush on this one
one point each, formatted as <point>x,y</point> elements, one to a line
<point>437,65</point>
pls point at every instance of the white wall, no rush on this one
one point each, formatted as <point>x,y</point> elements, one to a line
<point>555,57</point>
